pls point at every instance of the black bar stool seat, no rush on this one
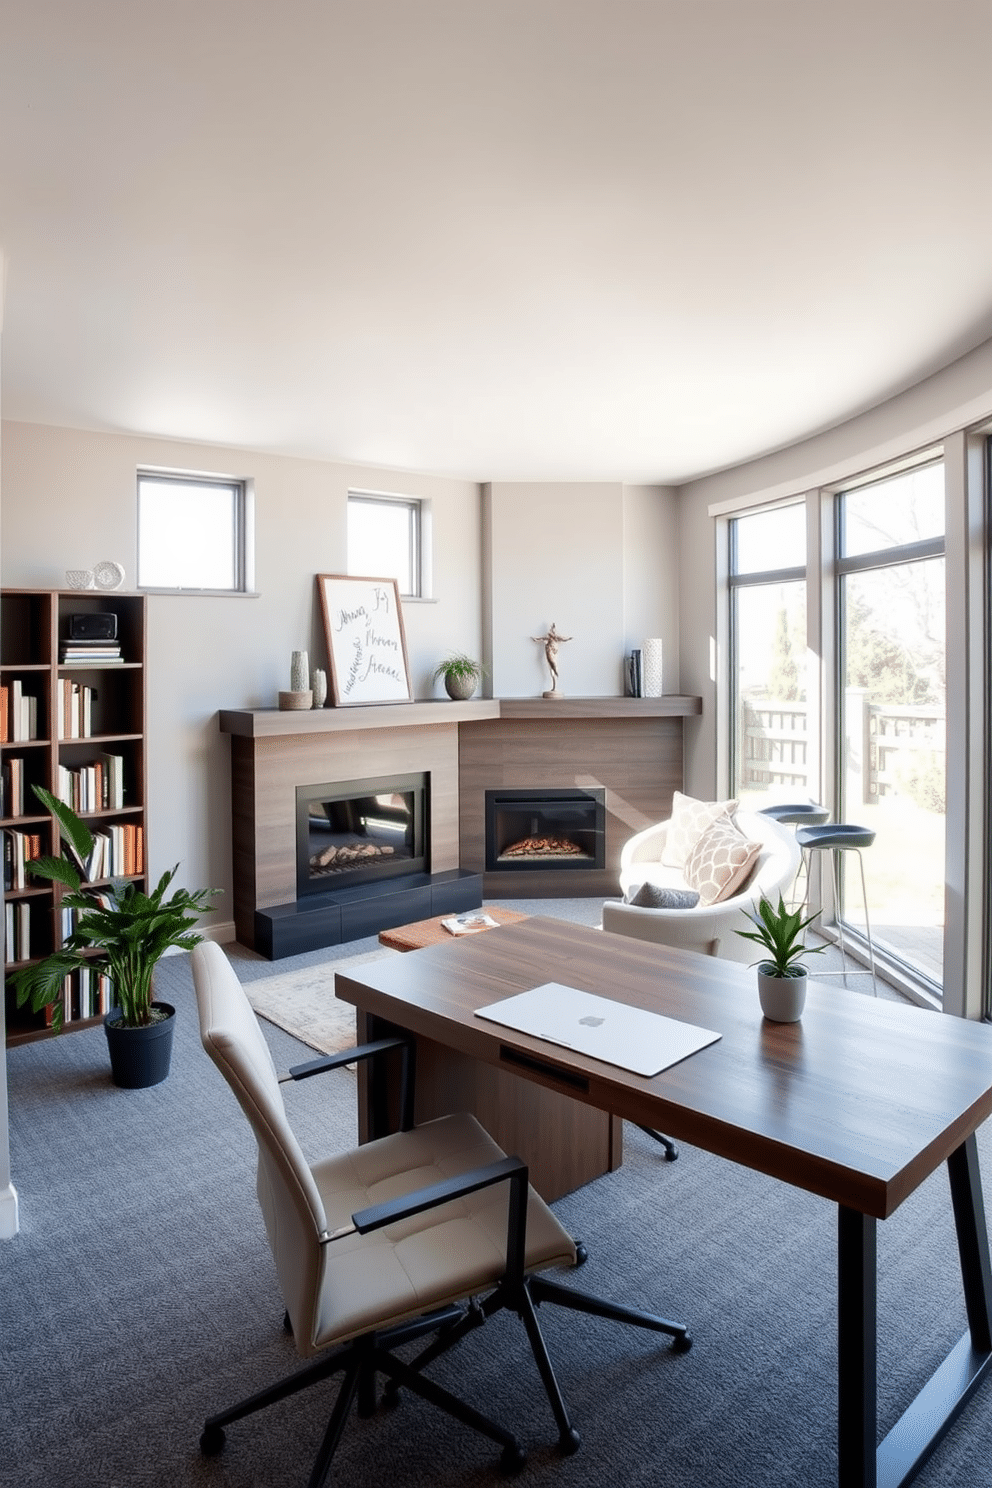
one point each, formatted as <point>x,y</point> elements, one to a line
<point>840,835</point>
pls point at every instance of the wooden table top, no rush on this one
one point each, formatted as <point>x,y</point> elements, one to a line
<point>858,1102</point>
<point>432,932</point>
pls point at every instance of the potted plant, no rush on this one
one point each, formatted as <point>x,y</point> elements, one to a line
<point>461,675</point>
<point>118,931</point>
<point>781,976</point>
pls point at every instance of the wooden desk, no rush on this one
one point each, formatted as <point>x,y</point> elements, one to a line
<point>860,1102</point>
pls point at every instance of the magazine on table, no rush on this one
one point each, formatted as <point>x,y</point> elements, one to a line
<point>468,924</point>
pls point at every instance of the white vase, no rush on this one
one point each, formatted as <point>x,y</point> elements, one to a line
<point>319,687</point>
<point>651,658</point>
<point>299,672</point>
<point>782,998</point>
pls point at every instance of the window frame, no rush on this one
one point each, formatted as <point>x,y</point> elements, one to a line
<point>421,535</point>
<point>242,533</point>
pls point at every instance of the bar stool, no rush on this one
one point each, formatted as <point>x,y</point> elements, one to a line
<point>838,838</point>
<point>799,814</point>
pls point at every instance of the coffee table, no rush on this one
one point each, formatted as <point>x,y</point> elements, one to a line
<point>432,932</point>
<point>859,1103</point>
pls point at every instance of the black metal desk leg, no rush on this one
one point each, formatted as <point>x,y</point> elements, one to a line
<point>973,1242</point>
<point>856,1348</point>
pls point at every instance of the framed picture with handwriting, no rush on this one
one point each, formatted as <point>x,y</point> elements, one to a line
<point>366,643</point>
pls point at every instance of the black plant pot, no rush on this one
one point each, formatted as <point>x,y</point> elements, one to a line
<point>140,1057</point>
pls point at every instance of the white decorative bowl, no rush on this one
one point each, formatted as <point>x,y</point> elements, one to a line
<point>79,578</point>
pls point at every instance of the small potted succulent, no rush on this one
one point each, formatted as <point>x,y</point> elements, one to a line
<point>781,975</point>
<point>118,931</point>
<point>461,675</point>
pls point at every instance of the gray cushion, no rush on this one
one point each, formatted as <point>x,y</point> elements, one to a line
<point>653,896</point>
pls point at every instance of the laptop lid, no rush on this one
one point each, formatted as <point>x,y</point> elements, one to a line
<point>631,1038</point>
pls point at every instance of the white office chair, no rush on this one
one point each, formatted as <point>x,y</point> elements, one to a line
<point>383,1244</point>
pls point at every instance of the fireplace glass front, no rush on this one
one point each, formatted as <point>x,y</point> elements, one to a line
<point>541,829</point>
<point>355,831</point>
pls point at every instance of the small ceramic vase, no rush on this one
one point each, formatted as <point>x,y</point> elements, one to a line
<point>299,672</point>
<point>319,687</point>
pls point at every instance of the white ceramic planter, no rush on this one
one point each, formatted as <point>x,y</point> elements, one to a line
<point>782,998</point>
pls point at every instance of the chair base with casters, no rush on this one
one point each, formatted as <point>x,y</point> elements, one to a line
<point>836,839</point>
<point>422,1234</point>
<point>798,814</point>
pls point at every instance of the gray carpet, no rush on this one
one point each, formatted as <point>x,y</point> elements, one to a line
<point>140,1296</point>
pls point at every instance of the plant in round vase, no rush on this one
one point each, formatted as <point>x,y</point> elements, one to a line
<point>461,675</point>
<point>781,976</point>
<point>119,932</point>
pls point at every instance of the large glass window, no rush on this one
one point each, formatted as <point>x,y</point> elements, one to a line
<point>770,757</point>
<point>892,711</point>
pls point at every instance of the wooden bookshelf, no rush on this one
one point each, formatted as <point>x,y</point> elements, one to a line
<point>101,704</point>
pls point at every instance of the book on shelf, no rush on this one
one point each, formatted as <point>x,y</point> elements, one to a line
<point>4,714</point>
<point>18,850</point>
<point>17,928</point>
<point>12,787</point>
<point>98,786</point>
<point>634,680</point>
<point>75,709</point>
<point>23,714</point>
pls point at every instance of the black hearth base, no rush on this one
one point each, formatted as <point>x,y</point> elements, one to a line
<point>320,920</point>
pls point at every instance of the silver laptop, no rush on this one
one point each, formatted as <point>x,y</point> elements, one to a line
<point>629,1037</point>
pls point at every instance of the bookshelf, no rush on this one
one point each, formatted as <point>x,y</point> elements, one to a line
<point>74,723</point>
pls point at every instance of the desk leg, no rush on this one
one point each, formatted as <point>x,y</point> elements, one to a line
<point>856,1348</point>
<point>900,1456</point>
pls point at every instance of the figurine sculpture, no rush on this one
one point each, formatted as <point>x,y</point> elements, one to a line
<point>551,641</point>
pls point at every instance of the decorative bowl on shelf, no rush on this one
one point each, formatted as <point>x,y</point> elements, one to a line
<point>79,578</point>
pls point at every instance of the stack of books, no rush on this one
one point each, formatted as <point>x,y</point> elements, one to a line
<point>90,653</point>
<point>95,787</point>
<point>18,850</point>
<point>12,787</point>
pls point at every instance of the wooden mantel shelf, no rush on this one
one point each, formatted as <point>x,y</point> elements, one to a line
<point>261,723</point>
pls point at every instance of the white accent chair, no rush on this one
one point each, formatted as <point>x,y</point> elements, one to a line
<point>427,1231</point>
<point>708,928</point>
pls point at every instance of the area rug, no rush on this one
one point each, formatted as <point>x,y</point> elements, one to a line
<point>303,1003</point>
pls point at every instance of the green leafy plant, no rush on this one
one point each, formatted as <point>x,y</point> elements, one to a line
<point>462,667</point>
<point>119,931</point>
<point>780,932</point>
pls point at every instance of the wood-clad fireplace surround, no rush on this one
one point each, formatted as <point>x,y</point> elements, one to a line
<point>630,749</point>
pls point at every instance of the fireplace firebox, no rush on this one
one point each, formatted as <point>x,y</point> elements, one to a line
<point>356,831</point>
<point>541,829</point>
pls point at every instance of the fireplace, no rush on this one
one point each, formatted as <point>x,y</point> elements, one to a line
<point>540,829</point>
<point>351,832</point>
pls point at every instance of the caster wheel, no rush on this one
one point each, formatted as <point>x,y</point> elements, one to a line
<point>391,1394</point>
<point>581,1254</point>
<point>569,1442</point>
<point>512,1460</point>
<point>671,1154</point>
<point>682,1344</point>
<point>212,1440</point>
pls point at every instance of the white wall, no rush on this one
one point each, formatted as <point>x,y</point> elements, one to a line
<point>69,501</point>
<point>8,1193</point>
<point>596,559</point>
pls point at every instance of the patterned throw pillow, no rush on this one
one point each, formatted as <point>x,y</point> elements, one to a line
<point>656,896</point>
<point>720,862</point>
<point>690,819</point>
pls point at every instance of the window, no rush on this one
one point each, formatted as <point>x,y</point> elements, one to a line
<point>769,744</point>
<point>891,710</point>
<point>194,533</point>
<point>388,538</point>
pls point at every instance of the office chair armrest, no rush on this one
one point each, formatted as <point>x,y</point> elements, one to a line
<point>345,1056</point>
<point>511,1169</point>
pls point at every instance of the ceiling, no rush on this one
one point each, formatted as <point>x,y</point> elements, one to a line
<point>497,239</point>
